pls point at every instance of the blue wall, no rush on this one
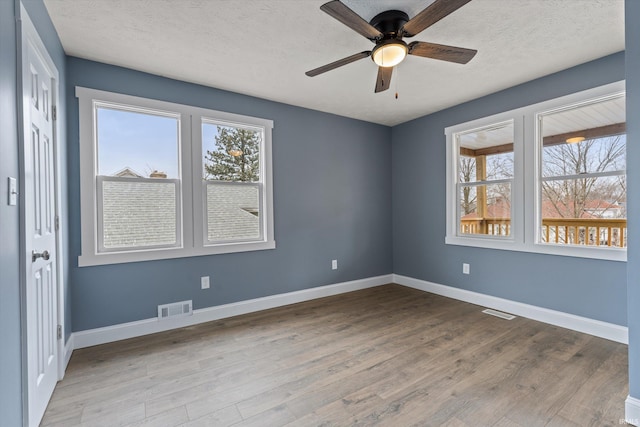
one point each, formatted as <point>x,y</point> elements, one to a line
<point>332,200</point>
<point>584,287</point>
<point>632,64</point>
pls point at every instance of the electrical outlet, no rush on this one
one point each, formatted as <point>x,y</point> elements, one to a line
<point>334,264</point>
<point>465,268</point>
<point>204,282</point>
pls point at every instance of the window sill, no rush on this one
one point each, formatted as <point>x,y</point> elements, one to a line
<point>608,254</point>
<point>162,254</point>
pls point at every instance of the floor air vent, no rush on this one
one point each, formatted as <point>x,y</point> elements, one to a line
<point>176,309</point>
<point>499,314</point>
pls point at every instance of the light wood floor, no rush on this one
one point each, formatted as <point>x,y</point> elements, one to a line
<point>388,355</point>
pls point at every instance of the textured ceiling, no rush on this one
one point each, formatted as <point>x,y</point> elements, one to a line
<point>263,47</point>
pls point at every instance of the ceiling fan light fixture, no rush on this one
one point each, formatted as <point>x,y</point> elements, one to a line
<point>390,53</point>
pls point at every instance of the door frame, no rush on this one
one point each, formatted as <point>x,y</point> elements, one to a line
<point>27,33</point>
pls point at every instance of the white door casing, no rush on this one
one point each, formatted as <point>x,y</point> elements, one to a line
<point>39,215</point>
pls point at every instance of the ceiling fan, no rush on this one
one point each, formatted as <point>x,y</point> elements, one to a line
<point>387,29</point>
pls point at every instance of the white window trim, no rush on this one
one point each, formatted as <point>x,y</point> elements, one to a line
<point>525,209</point>
<point>192,210</point>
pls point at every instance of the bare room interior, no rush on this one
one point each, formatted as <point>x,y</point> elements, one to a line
<point>305,213</point>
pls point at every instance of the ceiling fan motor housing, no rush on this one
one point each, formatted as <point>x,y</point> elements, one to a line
<point>389,23</point>
<point>390,49</point>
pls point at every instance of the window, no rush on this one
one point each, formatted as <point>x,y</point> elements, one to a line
<point>485,178</point>
<point>232,185</point>
<point>582,184</point>
<point>162,180</point>
<point>546,178</point>
<point>129,141</point>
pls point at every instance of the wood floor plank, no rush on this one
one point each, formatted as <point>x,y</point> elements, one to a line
<point>108,413</point>
<point>388,355</point>
<point>332,415</point>
<point>62,416</point>
<point>222,417</point>
<point>560,421</point>
<point>545,402</point>
<point>277,416</point>
<point>506,422</point>
<point>171,418</point>
<point>594,404</point>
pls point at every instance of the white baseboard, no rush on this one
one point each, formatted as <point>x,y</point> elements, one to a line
<point>632,411</point>
<point>598,328</point>
<point>122,331</point>
<point>68,351</point>
<point>65,357</point>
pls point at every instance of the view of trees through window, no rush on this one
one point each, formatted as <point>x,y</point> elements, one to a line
<point>583,174</point>
<point>593,195</point>
<point>485,175</point>
<point>498,166</point>
<point>235,156</point>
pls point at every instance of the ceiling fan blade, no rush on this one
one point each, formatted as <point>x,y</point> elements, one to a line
<point>348,17</point>
<point>429,16</point>
<point>338,63</point>
<point>442,52</point>
<point>383,82</point>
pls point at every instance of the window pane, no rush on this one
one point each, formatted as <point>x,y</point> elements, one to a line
<point>585,211</point>
<point>139,214</point>
<point>486,209</point>
<point>604,154</point>
<point>231,153</point>
<point>585,139</point>
<point>136,144</point>
<point>233,212</point>
<point>486,154</point>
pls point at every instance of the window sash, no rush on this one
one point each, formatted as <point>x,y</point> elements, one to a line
<point>486,182</point>
<point>584,175</point>
<point>492,235</point>
<point>261,217</point>
<point>100,180</point>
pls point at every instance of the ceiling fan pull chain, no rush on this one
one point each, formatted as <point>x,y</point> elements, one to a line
<point>397,78</point>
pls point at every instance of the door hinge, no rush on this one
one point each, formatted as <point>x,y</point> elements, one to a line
<point>57,223</point>
<point>54,112</point>
<point>59,332</point>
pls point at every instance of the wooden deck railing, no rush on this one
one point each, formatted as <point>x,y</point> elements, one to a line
<point>573,231</point>
<point>491,226</point>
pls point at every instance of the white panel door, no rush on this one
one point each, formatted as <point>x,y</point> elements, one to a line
<point>40,229</point>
